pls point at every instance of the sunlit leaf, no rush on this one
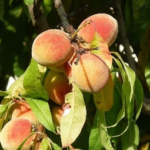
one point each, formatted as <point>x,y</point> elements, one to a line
<point>55,146</point>
<point>104,98</point>
<point>42,112</point>
<point>4,93</point>
<point>130,139</point>
<point>45,144</point>
<point>94,140</point>
<point>28,2</point>
<point>17,87</point>
<point>71,124</point>
<point>32,81</point>
<point>21,145</point>
<point>147,74</point>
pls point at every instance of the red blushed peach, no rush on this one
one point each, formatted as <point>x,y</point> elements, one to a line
<point>57,86</point>
<point>52,48</point>
<point>21,109</point>
<point>14,132</point>
<point>104,24</point>
<point>91,73</point>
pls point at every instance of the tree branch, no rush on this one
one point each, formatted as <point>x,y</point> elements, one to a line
<point>126,44</point>
<point>63,17</point>
<point>37,17</point>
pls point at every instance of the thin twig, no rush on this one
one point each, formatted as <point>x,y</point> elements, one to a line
<point>63,17</point>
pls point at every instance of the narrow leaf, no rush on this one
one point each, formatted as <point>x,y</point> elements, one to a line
<point>3,109</point>
<point>21,145</point>
<point>4,93</point>
<point>71,124</point>
<point>104,136</point>
<point>32,81</point>
<point>130,138</point>
<point>17,87</point>
<point>45,144</point>
<point>139,96</point>
<point>94,140</point>
<point>28,2</point>
<point>42,111</point>
<point>104,98</point>
<point>55,146</point>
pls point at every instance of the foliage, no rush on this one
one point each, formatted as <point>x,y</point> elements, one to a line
<point>110,119</point>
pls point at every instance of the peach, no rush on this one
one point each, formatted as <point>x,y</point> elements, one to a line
<point>104,24</point>
<point>91,73</point>
<point>57,86</point>
<point>52,48</point>
<point>22,109</point>
<point>58,112</point>
<point>14,132</point>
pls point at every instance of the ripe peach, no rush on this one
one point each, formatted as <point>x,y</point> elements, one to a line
<point>91,73</point>
<point>14,132</point>
<point>52,48</point>
<point>104,24</point>
<point>58,112</point>
<point>57,86</point>
<point>22,109</point>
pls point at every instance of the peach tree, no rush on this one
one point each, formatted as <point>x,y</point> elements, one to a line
<point>75,92</point>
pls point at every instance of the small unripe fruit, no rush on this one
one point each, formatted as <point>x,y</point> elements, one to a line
<point>21,109</point>
<point>91,73</point>
<point>105,25</point>
<point>14,132</point>
<point>52,48</point>
<point>57,86</point>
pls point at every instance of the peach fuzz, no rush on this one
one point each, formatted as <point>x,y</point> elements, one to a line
<point>21,109</point>
<point>14,132</point>
<point>52,48</point>
<point>104,24</point>
<point>91,73</point>
<point>57,86</point>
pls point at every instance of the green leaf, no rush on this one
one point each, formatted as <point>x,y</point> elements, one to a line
<point>55,146</point>
<point>3,109</point>
<point>94,140</point>
<point>147,74</point>
<point>130,139</point>
<point>71,124</point>
<point>45,144</point>
<point>42,111</point>
<point>28,2</point>
<point>32,81</point>
<point>21,145</point>
<point>139,96</point>
<point>104,136</point>
<point>104,98</point>
<point>4,93</point>
<point>130,76</point>
<point>95,43</point>
<point>17,87</point>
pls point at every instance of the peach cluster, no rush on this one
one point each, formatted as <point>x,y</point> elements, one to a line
<point>70,56</point>
<point>19,127</point>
